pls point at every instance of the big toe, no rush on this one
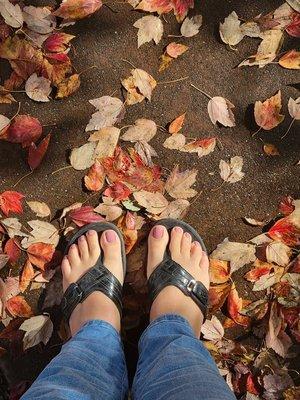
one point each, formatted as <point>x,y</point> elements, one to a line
<point>111,245</point>
<point>157,244</point>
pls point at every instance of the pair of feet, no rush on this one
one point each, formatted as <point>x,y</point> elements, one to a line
<point>83,256</point>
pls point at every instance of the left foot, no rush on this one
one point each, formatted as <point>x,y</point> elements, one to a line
<point>80,258</point>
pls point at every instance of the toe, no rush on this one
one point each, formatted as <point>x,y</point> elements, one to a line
<point>186,243</point>
<point>204,267</point>
<point>65,267</point>
<point>73,255</point>
<point>175,242</point>
<point>196,253</point>
<point>93,244</point>
<point>157,244</point>
<point>111,246</point>
<point>83,248</point>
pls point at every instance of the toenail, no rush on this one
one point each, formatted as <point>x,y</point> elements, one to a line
<point>187,235</point>
<point>110,236</point>
<point>178,229</point>
<point>90,233</point>
<point>158,232</point>
<point>197,244</point>
<point>81,238</point>
<point>73,246</point>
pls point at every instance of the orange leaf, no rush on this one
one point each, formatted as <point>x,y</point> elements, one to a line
<point>39,254</point>
<point>26,276</point>
<point>127,226</point>
<point>176,125</point>
<point>12,249</point>
<point>290,60</point>
<point>267,114</point>
<point>118,191</point>
<point>18,307</point>
<point>218,295</point>
<point>286,231</point>
<point>77,9</point>
<point>261,268</point>
<point>219,271</point>
<point>270,149</point>
<point>175,50</point>
<point>10,201</point>
<point>94,179</point>
<point>234,305</point>
<point>37,153</point>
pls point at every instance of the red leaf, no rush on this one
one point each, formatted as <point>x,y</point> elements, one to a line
<point>118,191</point>
<point>285,231</point>
<point>234,306</point>
<point>261,268</point>
<point>84,215</point>
<point>286,205</point>
<point>94,180</point>
<point>18,307</point>
<point>57,42</point>
<point>10,201</point>
<point>26,276</point>
<point>60,57</point>
<point>24,129</point>
<point>294,28</point>
<point>39,254</point>
<point>181,8</point>
<point>12,249</point>
<point>217,295</point>
<point>37,153</point>
<point>252,385</point>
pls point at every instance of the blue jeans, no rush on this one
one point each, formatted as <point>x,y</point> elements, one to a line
<point>173,365</point>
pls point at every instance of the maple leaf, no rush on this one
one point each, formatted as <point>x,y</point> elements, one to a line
<point>190,26</point>
<point>175,209</point>
<point>118,191</point>
<point>257,309</point>
<point>220,110</point>
<point>267,114</point>
<point>142,130</point>
<point>149,28</point>
<point>18,307</point>
<point>218,295</point>
<point>110,111</point>
<point>95,178</point>
<point>176,125</point>
<point>11,201</point>
<point>26,276</point>
<point>159,6</point>
<point>12,249</point>
<point>77,9</point>
<point>260,269</point>
<point>106,141</point>
<point>175,50</point>
<point>232,172</point>
<point>202,147</point>
<point>179,184</point>
<point>43,232</point>
<point>234,306</point>
<point>139,86</point>
<point>286,206</point>
<point>109,209</point>
<point>39,19</point>
<point>84,215</point>
<point>230,30</point>
<point>37,153</point>
<point>68,86</point>
<point>83,157</point>
<point>57,42</point>
<point>294,4</point>
<point>287,229</point>
<point>38,329</point>
<point>126,224</point>
<point>181,8</point>
<point>212,329</point>
<point>24,129</point>
<point>154,203</point>
<point>39,254</point>
<point>278,253</point>
<point>146,152</point>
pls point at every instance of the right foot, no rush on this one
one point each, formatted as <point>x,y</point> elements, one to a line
<point>190,256</point>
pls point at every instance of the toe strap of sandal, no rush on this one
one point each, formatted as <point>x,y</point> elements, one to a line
<point>169,273</point>
<point>98,278</point>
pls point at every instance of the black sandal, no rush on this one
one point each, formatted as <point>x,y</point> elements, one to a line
<point>97,278</point>
<point>169,273</point>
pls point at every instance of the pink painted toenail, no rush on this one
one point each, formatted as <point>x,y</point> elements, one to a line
<point>178,229</point>
<point>158,232</point>
<point>187,235</point>
<point>81,238</point>
<point>110,236</point>
<point>197,244</point>
<point>90,233</point>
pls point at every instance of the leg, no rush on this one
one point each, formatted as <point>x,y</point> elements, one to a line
<point>173,363</point>
<point>92,364</point>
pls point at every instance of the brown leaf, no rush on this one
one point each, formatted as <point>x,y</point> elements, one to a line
<point>179,184</point>
<point>68,86</point>
<point>267,114</point>
<point>26,276</point>
<point>94,180</point>
<point>176,125</point>
<point>270,149</point>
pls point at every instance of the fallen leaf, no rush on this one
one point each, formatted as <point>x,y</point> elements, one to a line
<point>293,29</point>
<point>39,19</point>
<point>3,261</point>
<point>267,114</point>
<point>11,202</point>
<point>235,304</point>
<point>232,172</point>
<point>190,26</point>
<point>257,309</point>
<point>36,154</point>
<point>175,209</point>
<point>219,271</point>
<point>260,269</point>
<point>165,62</point>
<point>220,110</point>
<point>142,130</point>
<point>253,222</point>
<point>5,98</point>
<point>175,142</point>
<point>176,125</point>
<point>127,225</point>
<point>39,254</point>
<point>24,129</point>
<point>77,9</point>
<point>276,338</point>
<point>26,276</point>
<point>149,28</point>
<point>110,211</point>
<point>58,42</point>
<point>286,206</point>
<point>175,50</point>
<point>270,149</point>
<point>279,253</point>
<point>38,88</point>
<point>179,184</point>
<point>118,191</point>
<point>230,30</point>
<point>110,111</point>
<point>212,329</point>
<point>11,13</point>
<point>202,147</point>
<point>106,141</point>
<point>158,6</point>
<point>18,307</point>
<point>154,203</point>
<point>4,122</point>
<point>238,254</point>
<point>139,86</point>
<point>13,227</point>
<point>40,208</point>
<point>146,152</point>
<point>287,230</point>
<point>218,295</point>
<point>266,281</point>
<point>68,86</point>
<point>94,180</point>
<point>84,215</point>
<point>13,250</point>
<point>290,60</point>
<point>294,4</point>
<point>83,157</point>
<point>294,108</point>
<point>43,232</point>
<point>38,329</point>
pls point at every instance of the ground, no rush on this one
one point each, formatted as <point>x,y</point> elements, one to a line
<point>107,39</point>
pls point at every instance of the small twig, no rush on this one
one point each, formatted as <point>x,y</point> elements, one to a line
<point>21,179</point>
<point>176,36</point>
<point>201,91</point>
<point>93,66</point>
<point>255,133</point>
<point>289,128</point>
<point>173,81</point>
<point>219,187</point>
<point>61,169</point>
<point>17,113</point>
<point>125,126</point>
<point>12,91</point>
<point>128,62</point>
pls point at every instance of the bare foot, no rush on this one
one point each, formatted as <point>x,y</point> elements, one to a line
<point>83,256</point>
<point>191,257</point>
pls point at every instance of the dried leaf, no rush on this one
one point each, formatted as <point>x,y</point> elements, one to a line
<point>279,253</point>
<point>202,147</point>
<point>58,42</point>
<point>26,276</point>
<point>39,19</point>
<point>218,295</point>
<point>176,125</point>
<point>18,307</point>
<point>175,209</point>
<point>110,211</point>
<point>235,304</point>
<point>118,191</point>
<point>190,26</point>
<point>179,184</point>
<point>24,129</point>
<point>146,152</point>
<point>276,338</point>
<point>41,209</point>
<point>38,88</point>
<point>94,180</point>
<point>175,142</point>
<point>11,201</point>
<point>36,154</point>
<point>219,271</point>
<point>68,86</point>
<point>83,157</point>
<point>11,13</point>
<point>77,9</point>
<point>38,329</point>
<point>139,86</point>
<point>294,4</point>
<point>13,227</point>
<point>40,254</point>
<point>270,149</point>
<point>232,172</point>
<point>267,114</point>
<point>294,108</point>
<point>220,110</point>
<point>175,50</point>
<point>212,329</point>
<point>149,28</point>
<point>290,60</point>
<point>253,222</point>
<point>110,111</point>
<point>230,30</point>
<point>4,122</point>
<point>142,130</point>
<point>154,203</point>
<point>13,250</point>
<point>43,232</point>
<point>84,215</point>
<point>107,140</point>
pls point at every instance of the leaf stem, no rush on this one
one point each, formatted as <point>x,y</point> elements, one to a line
<point>61,169</point>
<point>255,133</point>
<point>289,128</point>
<point>173,81</point>
<point>201,91</point>
<point>23,177</point>
<point>129,62</point>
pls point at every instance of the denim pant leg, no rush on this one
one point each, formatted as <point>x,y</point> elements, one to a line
<point>90,366</point>
<point>174,365</point>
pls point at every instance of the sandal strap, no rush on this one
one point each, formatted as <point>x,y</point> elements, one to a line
<point>170,273</point>
<point>98,278</point>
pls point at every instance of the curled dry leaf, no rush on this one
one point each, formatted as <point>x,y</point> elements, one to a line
<point>83,157</point>
<point>219,271</point>
<point>294,108</point>
<point>4,122</point>
<point>253,222</point>
<point>267,114</point>
<point>212,329</point>
<point>110,211</point>
<point>68,86</point>
<point>276,338</point>
<point>38,329</point>
<point>179,184</point>
<point>142,130</point>
<point>175,142</point>
<point>139,86</point>
<point>42,231</point>
<point>220,110</point>
<point>106,140</point>
<point>294,4</point>
<point>110,111</point>
<point>149,28</point>
<point>26,276</point>
<point>154,203</point>
<point>146,152</point>
<point>38,88</point>
<point>278,253</point>
<point>230,30</point>
<point>235,304</point>
<point>13,227</point>
<point>39,19</point>
<point>94,180</point>
<point>77,9</point>
<point>36,154</point>
<point>175,50</point>
<point>176,125</point>
<point>202,147</point>
<point>41,209</point>
<point>270,149</point>
<point>190,26</point>
<point>232,172</point>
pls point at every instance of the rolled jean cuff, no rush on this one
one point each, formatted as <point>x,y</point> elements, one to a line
<point>96,327</point>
